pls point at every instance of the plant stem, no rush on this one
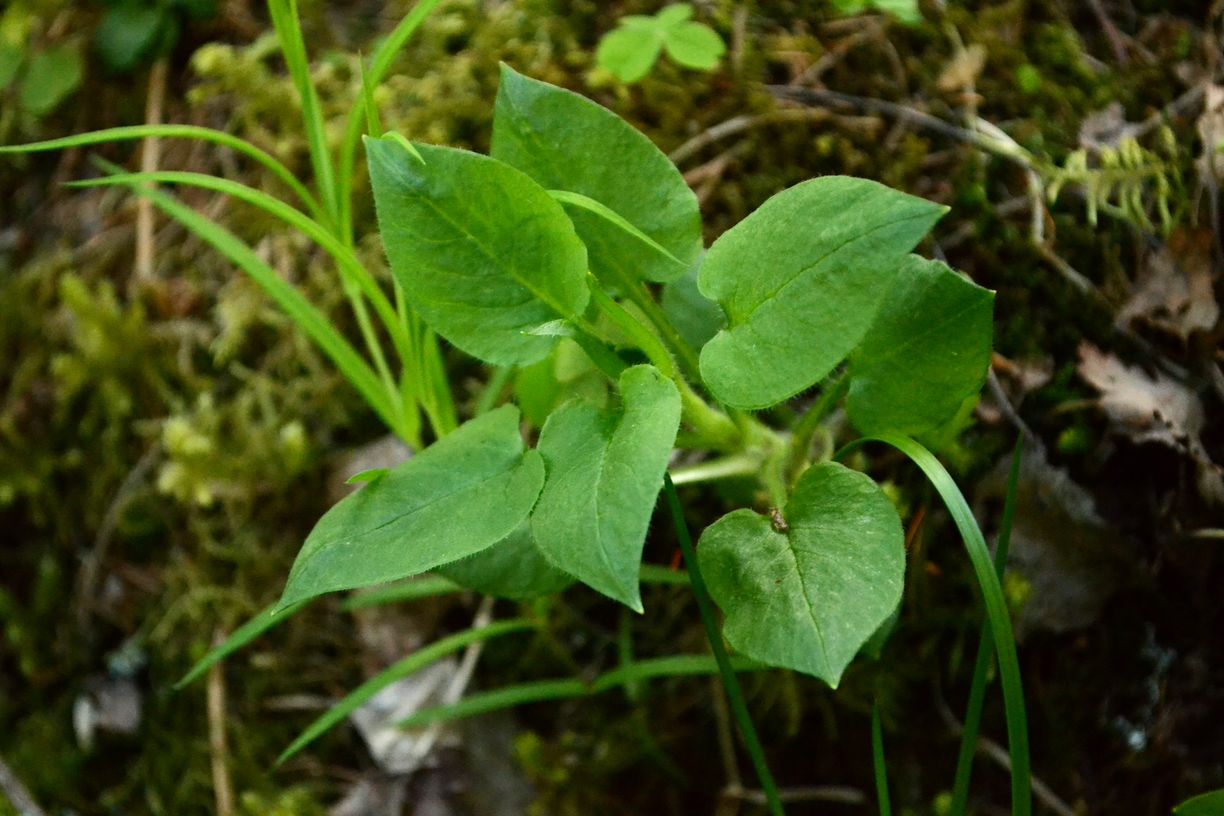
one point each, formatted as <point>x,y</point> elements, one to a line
<point>493,388</point>
<point>742,464</point>
<point>877,761</point>
<point>985,653</point>
<point>640,297</point>
<point>714,427</point>
<point>735,695</point>
<point>801,435</point>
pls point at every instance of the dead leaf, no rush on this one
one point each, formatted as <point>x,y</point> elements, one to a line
<point>1174,292</point>
<point>1156,409</point>
<point>962,71</point>
<point>1070,559</point>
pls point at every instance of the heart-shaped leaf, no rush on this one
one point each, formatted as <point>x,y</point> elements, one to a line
<point>462,494</point>
<point>605,468</point>
<point>483,252</point>
<point>801,280</point>
<point>807,594</point>
<point>926,353</point>
<point>568,143</point>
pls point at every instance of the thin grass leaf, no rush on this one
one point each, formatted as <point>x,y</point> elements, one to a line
<point>203,134</point>
<point>996,610</point>
<point>550,690</point>
<point>289,32</point>
<point>879,766</point>
<point>244,634</point>
<point>347,263</point>
<point>410,664</point>
<point>380,63</point>
<point>977,690</point>
<point>308,318</point>
<point>726,668</point>
<point>426,586</point>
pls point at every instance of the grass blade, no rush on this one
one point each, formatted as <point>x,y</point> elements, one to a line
<point>410,664</point>
<point>877,762</point>
<point>380,63</point>
<point>203,134</point>
<point>244,634</point>
<point>996,610</point>
<point>977,690</point>
<point>289,32</point>
<point>309,319</point>
<point>735,696</point>
<point>550,690</point>
<point>348,264</point>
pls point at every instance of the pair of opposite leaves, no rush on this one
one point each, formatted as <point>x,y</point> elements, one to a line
<point>489,248</point>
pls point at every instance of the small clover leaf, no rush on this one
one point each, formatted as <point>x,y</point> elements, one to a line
<point>630,51</point>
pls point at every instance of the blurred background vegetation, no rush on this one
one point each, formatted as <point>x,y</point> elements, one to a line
<point>167,438</point>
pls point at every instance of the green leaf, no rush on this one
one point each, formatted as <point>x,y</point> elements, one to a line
<point>605,468</point>
<point>673,15</point>
<point>801,280</point>
<point>483,253</point>
<point>462,494</point>
<point>11,57</point>
<point>512,568</point>
<point>696,317</point>
<point>927,351</point>
<point>808,597</point>
<point>128,34</point>
<point>244,634</point>
<point>568,143</point>
<point>694,45</point>
<point>1206,804</point>
<point>629,52</point>
<point>50,78</point>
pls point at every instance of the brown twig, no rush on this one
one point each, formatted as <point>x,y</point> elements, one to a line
<point>223,787</point>
<point>740,124</point>
<point>149,160</point>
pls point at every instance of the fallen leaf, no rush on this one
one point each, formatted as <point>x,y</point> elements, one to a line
<point>1148,408</point>
<point>1174,292</point>
<point>1071,561</point>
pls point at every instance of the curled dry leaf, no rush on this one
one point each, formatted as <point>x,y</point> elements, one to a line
<point>1174,292</point>
<point>1156,409</point>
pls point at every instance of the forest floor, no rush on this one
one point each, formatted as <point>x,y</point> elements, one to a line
<point>167,439</point>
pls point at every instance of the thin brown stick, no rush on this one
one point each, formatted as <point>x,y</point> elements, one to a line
<point>18,796</point>
<point>740,124</point>
<point>223,786</point>
<point>149,160</point>
<point>816,793</point>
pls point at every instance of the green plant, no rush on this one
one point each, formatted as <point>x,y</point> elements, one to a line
<point>133,32</point>
<point>1205,804</point>
<point>630,51</point>
<point>38,77</point>
<point>553,249</point>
